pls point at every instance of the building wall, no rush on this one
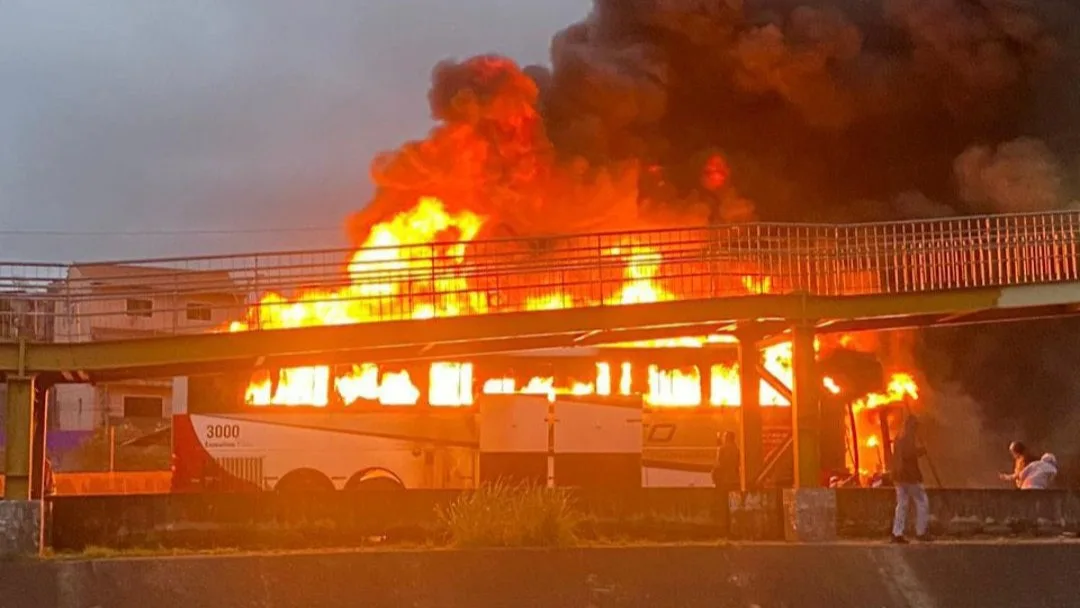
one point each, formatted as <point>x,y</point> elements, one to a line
<point>77,407</point>
<point>86,407</point>
<point>112,397</point>
<point>97,307</point>
<point>98,316</point>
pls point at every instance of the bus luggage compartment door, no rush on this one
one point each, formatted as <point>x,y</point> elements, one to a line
<point>513,438</point>
<point>597,442</point>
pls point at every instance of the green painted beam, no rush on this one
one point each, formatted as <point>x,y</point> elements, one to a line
<point>686,316</point>
<point>750,423</point>
<point>806,407</point>
<point>18,429</point>
<point>573,326</point>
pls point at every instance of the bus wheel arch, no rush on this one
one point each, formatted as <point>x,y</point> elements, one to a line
<point>374,479</point>
<point>304,480</point>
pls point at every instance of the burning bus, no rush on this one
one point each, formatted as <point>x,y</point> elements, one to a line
<point>582,417</point>
<point>615,416</point>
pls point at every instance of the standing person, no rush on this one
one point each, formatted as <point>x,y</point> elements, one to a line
<point>48,483</point>
<point>1022,457</point>
<point>725,476</point>
<point>725,473</point>
<point>909,484</point>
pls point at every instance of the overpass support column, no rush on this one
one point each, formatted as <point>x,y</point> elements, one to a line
<point>20,517</point>
<point>18,432</point>
<point>806,408</point>
<point>810,510</point>
<point>750,427</point>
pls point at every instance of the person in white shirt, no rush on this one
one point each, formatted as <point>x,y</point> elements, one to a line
<point>1038,475</point>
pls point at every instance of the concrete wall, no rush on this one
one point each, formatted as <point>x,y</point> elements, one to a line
<point>803,576</point>
<point>346,519</point>
<point>98,484</point>
<point>960,513</point>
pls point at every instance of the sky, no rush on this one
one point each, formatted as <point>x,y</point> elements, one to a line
<point>133,129</point>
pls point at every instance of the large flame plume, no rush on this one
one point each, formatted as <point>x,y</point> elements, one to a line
<point>379,272</point>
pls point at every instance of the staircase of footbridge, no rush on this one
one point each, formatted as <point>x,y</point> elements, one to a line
<point>162,317</point>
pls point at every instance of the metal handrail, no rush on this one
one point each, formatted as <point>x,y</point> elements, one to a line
<point>512,274</point>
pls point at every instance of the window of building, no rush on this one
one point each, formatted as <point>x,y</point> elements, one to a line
<point>138,307</point>
<point>197,311</point>
<point>8,326</point>
<point>143,407</point>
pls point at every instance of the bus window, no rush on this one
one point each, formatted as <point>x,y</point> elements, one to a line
<point>626,378</point>
<point>217,393</point>
<point>680,387</point>
<point>367,383</point>
<point>289,386</point>
<point>450,384</point>
<point>356,383</point>
<point>397,388</point>
<point>603,378</point>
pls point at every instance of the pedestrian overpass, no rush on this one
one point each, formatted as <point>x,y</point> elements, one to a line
<point>830,277</point>
<point>155,318</point>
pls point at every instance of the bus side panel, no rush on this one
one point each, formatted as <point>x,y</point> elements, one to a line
<point>597,443</point>
<point>680,444</point>
<point>193,468</point>
<point>514,438</point>
<point>258,450</point>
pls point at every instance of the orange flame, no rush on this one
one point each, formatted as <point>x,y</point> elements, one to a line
<point>393,269</point>
<point>901,387</point>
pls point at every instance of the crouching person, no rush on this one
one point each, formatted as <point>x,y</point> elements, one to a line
<point>908,479</point>
<point>1039,475</point>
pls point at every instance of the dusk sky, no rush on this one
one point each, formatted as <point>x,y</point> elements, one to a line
<point>145,129</point>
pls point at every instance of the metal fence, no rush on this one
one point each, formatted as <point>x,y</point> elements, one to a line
<point>101,301</point>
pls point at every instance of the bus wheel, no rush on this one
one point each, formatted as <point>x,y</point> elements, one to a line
<point>304,480</point>
<point>374,481</point>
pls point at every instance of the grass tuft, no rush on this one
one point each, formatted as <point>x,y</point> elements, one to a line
<point>506,515</point>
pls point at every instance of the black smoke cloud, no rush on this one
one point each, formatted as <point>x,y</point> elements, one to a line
<point>817,108</point>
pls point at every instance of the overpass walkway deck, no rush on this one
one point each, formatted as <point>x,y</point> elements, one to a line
<point>171,316</point>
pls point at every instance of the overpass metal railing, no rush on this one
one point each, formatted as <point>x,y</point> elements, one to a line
<point>114,300</point>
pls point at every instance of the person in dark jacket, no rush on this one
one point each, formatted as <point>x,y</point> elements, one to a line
<point>725,473</point>
<point>908,479</point>
<point>48,482</point>
<point>725,477</point>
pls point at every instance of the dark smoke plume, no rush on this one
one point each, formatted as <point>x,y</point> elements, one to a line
<point>660,112</point>
<point>813,111</point>
<point>1019,176</point>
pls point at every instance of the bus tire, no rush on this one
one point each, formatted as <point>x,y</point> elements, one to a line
<point>304,480</point>
<point>374,480</point>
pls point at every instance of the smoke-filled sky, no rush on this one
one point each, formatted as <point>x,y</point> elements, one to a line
<point>139,117</point>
